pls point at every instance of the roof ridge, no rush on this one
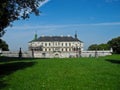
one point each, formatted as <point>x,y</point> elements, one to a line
<point>57,38</point>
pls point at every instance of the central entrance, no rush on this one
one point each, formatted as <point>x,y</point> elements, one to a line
<point>56,54</point>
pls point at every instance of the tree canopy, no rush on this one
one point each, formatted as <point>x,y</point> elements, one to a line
<point>93,47</point>
<point>11,10</point>
<point>3,45</point>
<point>99,47</point>
<point>115,44</point>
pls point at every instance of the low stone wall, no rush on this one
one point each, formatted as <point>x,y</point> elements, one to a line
<point>16,54</point>
<point>96,53</point>
<point>40,54</point>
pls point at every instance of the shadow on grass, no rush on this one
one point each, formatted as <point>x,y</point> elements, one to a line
<point>113,61</point>
<point>10,59</point>
<point>9,68</point>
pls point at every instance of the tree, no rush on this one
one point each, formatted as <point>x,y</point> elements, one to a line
<point>93,47</point>
<point>103,46</point>
<point>99,47</point>
<point>11,10</point>
<point>115,45</point>
<point>3,45</point>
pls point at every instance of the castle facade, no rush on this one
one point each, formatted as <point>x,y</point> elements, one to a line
<point>56,46</point>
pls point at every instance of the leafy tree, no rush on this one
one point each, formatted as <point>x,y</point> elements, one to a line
<point>93,47</point>
<point>99,47</point>
<point>4,45</point>
<point>115,44</point>
<point>103,47</point>
<point>11,10</point>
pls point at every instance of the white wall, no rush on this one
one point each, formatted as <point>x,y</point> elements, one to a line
<point>40,54</point>
<point>16,54</point>
<point>96,53</point>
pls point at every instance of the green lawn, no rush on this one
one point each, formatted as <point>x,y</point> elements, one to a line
<point>101,73</point>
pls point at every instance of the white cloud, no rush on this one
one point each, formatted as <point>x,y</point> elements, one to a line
<point>54,27</point>
<point>44,2</point>
<point>107,24</point>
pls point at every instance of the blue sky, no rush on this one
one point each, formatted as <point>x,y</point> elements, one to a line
<point>96,21</point>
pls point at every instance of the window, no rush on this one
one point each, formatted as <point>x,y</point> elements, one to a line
<point>56,44</point>
<point>40,48</point>
<point>45,44</point>
<point>62,44</point>
<point>69,44</point>
<point>45,49</point>
<point>65,44</point>
<point>49,44</point>
<point>66,50</point>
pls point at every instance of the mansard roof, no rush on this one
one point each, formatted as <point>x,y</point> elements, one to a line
<point>56,38</point>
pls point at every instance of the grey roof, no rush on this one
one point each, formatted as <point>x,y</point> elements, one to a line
<point>56,38</point>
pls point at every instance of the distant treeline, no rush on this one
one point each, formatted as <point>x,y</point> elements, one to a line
<point>114,44</point>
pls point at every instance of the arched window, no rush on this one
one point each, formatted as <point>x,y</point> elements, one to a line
<point>45,44</point>
<point>45,49</point>
<point>65,44</point>
<point>69,44</point>
<point>49,44</point>
<point>66,50</point>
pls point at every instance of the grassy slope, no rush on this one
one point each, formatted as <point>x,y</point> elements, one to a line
<point>64,74</point>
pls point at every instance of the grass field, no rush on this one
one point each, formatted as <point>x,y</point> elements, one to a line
<point>101,73</point>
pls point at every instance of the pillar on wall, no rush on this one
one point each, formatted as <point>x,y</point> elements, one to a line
<point>20,53</point>
<point>96,53</point>
<point>111,50</point>
<point>32,53</point>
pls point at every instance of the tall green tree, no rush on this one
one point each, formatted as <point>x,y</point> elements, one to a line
<point>99,47</point>
<point>115,44</point>
<point>93,47</point>
<point>4,45</point>
<point>11,10</point>
<point>103,46</point>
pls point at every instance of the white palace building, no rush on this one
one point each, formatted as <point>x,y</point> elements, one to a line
<point>56,46</point>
